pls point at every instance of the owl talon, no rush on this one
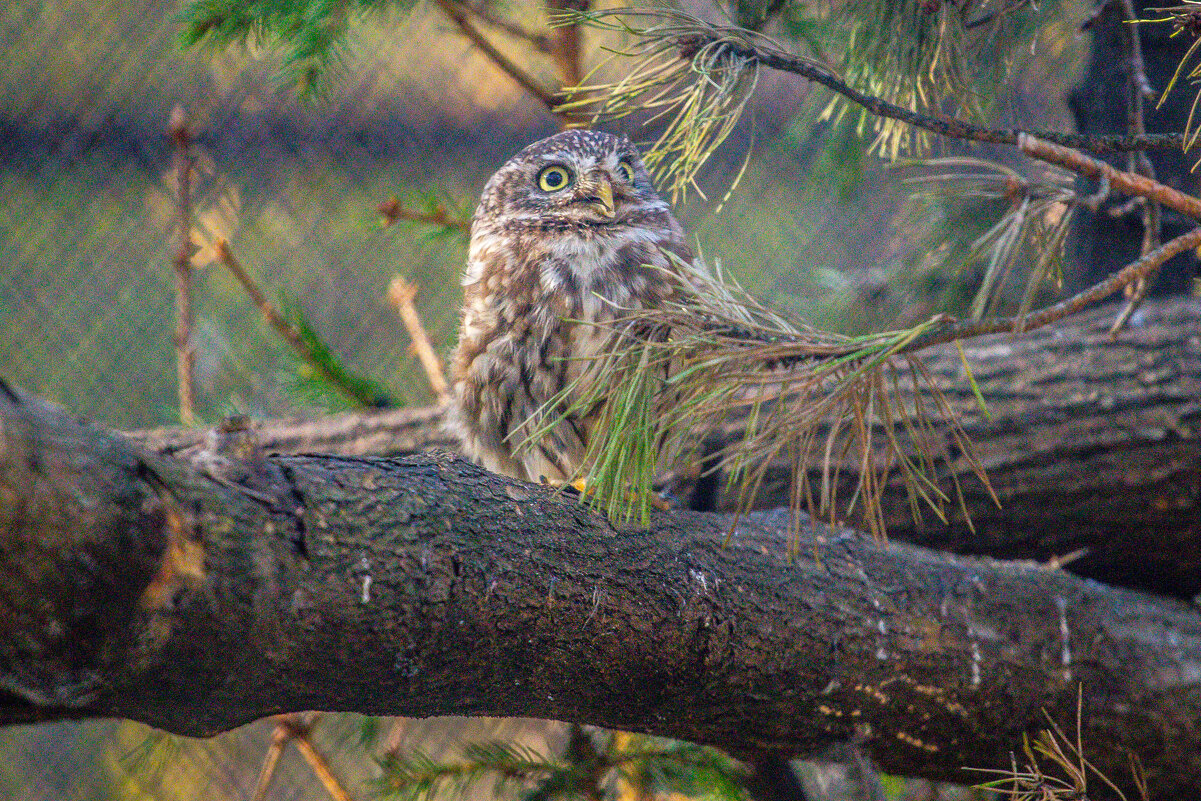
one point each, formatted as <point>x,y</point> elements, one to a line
<point>578,487</point>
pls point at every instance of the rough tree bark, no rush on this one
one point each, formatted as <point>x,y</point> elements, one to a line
<point>1091,444</point>
<point>199,594</point>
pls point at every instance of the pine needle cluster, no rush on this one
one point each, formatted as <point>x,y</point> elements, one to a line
<point>1053,767</point>
<point>595,765</point>
<point>698,85</point>
<point>1031,229</point>
<point>802,396</point>
<point>921,55</point>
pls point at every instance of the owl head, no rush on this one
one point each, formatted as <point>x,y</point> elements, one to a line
<point>574,179</point>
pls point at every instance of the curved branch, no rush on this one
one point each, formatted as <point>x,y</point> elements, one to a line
<point>1128,182</point>
<point>459,15</point>
<point>952,330</point>
<point>947,126</point>
<point>197,595</point>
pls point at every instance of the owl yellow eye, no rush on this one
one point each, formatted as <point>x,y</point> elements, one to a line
<point>554,178</point>
<point>625,171</point>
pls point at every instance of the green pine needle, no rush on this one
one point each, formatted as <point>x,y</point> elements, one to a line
<point>714,356</point>
<point>310,34</point>
<point>321,379</point>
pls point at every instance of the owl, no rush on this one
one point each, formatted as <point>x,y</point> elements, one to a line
<point>569,236</point>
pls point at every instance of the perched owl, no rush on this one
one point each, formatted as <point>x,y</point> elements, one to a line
<point>560,242</point>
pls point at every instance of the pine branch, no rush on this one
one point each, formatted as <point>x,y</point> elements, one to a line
<point>949,330</point>
<point>1128,182</point>
<point>459,14</point>
<point>687,34</point>
<point>358,391</point>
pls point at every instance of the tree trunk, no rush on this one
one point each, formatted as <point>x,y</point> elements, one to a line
<point>1108,239</point>
<point>199,594</point>
<point>1092,444</point>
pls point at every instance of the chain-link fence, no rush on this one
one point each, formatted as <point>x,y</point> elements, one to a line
<point>86,291</point>
<point>87,294</point>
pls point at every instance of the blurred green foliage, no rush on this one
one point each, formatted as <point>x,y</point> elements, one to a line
<point>307,33</point>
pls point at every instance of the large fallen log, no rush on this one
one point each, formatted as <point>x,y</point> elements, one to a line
<point>1093,446</point>
<point>197,594</point>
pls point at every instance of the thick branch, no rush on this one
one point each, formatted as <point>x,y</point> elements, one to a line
<point>1092,443</point>
<point>198,596</point>
<point>1130,183</point>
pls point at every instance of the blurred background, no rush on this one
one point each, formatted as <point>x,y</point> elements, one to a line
<point>411,110</point>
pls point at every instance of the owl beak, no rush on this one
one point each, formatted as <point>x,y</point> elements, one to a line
<point>602,198</point>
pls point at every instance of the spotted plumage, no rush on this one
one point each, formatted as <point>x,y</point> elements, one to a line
<point>561,241</point>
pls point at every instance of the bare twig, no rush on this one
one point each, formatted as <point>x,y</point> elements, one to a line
<point>1139,89</point>
<point>297,728</point>
<point>185,353</point>
<point>284,328</point>
<point>1136,293</point>
<point>317,760</point>
<point>1130,183</point>
<point>1138,69</point>
<point>952,127</point>
<point>279,738</point>
<point>459,15</point>
<point>393,210</point>
<point>401,293</point>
